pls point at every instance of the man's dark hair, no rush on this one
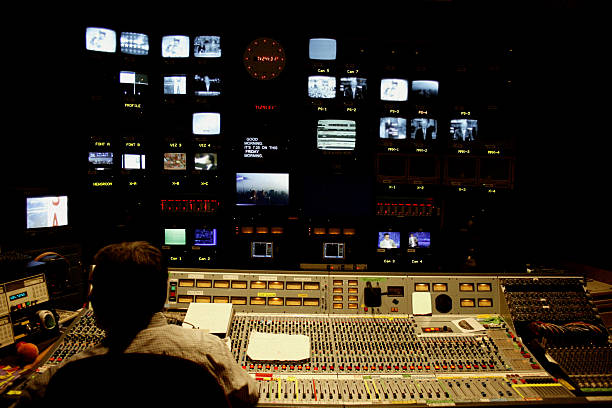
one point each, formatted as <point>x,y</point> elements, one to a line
<point>129,284</point>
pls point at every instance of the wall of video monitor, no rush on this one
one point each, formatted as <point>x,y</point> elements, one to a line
<point>301,150</point>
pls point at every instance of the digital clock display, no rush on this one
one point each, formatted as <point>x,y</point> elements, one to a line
<point>18,296</point>
<point>264,58</point>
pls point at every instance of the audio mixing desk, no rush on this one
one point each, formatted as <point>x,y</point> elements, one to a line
<point>374,339</point>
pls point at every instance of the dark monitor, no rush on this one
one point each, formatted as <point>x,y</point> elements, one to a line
<point>175,236</point>
<point>353,88</point>
<point>175,84</point>
<point>206,123</point>
<point>206,161</point>
<point>46,212</point>
<point>322,49</point>
<point>321,87</point>
<point>464,130</point>
<point>388,240</point>
<point>134,43</point>
<point>133,83</point>
<point>393,89</point>
<point>336,134</point>
<point>392,128</point>
<point>207,46</point>
<point>333,250</point>
<point>100,161</point>
<point>175,161</point>
<point>205,237</point>
<point>262,189</point>
<point>419,239</point>
<point>262,249</point>
<point>423,129</point>
<point>175,46</point>
<point>424,90</point>
<point>100,39</point>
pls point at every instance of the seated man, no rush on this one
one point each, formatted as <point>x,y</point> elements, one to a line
<point>142,328</point>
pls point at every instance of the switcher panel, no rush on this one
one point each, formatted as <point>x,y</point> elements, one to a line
<point>333,292</point>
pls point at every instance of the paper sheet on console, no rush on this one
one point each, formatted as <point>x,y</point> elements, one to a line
<point>278,347</point>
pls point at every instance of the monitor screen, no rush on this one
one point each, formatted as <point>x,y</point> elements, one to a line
<point>175,236</point>
<point>336,134</point>
<point>333,250</point>
<point>207,46</point>
<point>132,83</point>
<point>262,189</point>
<point>46,211</point>
<point>175,46</point>
<point>100,160</point>
<point>261,249</point>
<point>205,161</point>
<point>425,89</point>
<point>463,130</point>
<point>419,239</point>
<point>175,161</point>
<point>206,123</point>
<point>205,237</point>
<point>175,85</point>
<point>353,88</point>
<point>132,161</point>
<point>322,87</point>
<point>423,129</point>
<point>322,49</point>
<point>206,85</point>
<point>393,128</point>
<point>393,89</point>
<point>100,39</point>
<point>134,43</point>
<point>388,239</point>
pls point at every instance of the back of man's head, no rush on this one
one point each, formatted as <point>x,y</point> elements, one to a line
<point>129,284</point>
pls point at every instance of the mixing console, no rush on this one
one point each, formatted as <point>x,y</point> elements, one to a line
<point>362,356</point>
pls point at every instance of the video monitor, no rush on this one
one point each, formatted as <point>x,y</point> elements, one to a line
<point>132,83</point>
<point>393,89</point>
<point>175,236</point>
<point>206,123</point>
<point>175,161</point>
<point>46,212</point>
<point>423,90</point>
<point>333,250</point>
<point>388,239</point>
<point>206,237</point>
<point>100,161</point>
<point>322,49</point>
<point>463,130</point>
<point>205,161</point>
<point>206,85</point>
<point>175,84</point>
<point>336,134</point>
<point>423,129</point>
<point>419,239</point>
<point>100,39</point>
<point>207,46</point>
<point>262,189</point>
<point>261,249</point>
<point>392,128</point>
<point>353,88</point>
<point>134,43</point>
<point>130,161</point>
<point>321,87</point>
<point>175,46</point>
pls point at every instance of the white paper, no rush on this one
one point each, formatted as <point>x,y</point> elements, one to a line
<point>421,303</point>
<point>468,325</point>
<point>278,347</point>
<point>214,318</point>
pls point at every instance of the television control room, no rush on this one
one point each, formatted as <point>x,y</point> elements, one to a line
<point>357,205</point>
